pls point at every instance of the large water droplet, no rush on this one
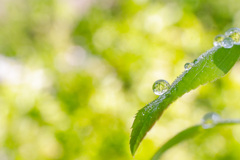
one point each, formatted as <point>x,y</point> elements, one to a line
<point>231,30</point>
<point>218,40</point>
<point>210,120</point>
<point>188,66</point>
<point>160,86</point>
<point>227,42</point>
<point>234,33</point>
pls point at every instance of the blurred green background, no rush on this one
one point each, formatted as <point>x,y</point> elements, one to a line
<point>73,73</point>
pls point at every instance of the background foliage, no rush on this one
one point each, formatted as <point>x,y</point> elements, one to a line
<point>74,72</point>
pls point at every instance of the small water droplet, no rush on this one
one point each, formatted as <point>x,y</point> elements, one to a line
<point>160,86</point>
<point>227,42</point>
<point>234,33</point>
<point>210,120</point>
<point>218,40</point>
<point>188,66</point>
<point>195,61</point>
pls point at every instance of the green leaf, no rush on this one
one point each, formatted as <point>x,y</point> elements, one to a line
<point>186,134</point>
<point>210,66</point>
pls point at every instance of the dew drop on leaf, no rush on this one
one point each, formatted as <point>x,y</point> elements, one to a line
<point>188,66</point>
<point>160,86</point>
<point>227,42</point>
<point>231,30</point>
<point>234,33</point>
<point>218,40</point>
<point>209,120</point>
<point>195,61</point>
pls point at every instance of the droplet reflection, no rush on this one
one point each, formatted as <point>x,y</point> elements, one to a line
<point>160,86</point>
<point>234,33</point>
<point>218,40</point>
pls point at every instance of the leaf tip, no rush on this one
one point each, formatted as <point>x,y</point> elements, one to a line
<point>132,148</point>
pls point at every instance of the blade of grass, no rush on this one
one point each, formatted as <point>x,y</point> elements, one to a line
<point>187,134</point>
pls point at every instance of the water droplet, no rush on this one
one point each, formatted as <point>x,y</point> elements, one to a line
<point>218,40</point>
<point>195,61</point>
<point>227,42</point>
<point>210,120</point>
<point>160,86</point>
<point>234,33</point>
<point>231,30</point>
<point>188,66</point>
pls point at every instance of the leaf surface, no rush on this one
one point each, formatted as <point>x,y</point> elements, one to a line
<point>208,67</point>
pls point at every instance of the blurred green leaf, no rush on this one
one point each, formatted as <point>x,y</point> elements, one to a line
<point>210,66</point>
<point>186,134</point>
<point>183,135</point>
